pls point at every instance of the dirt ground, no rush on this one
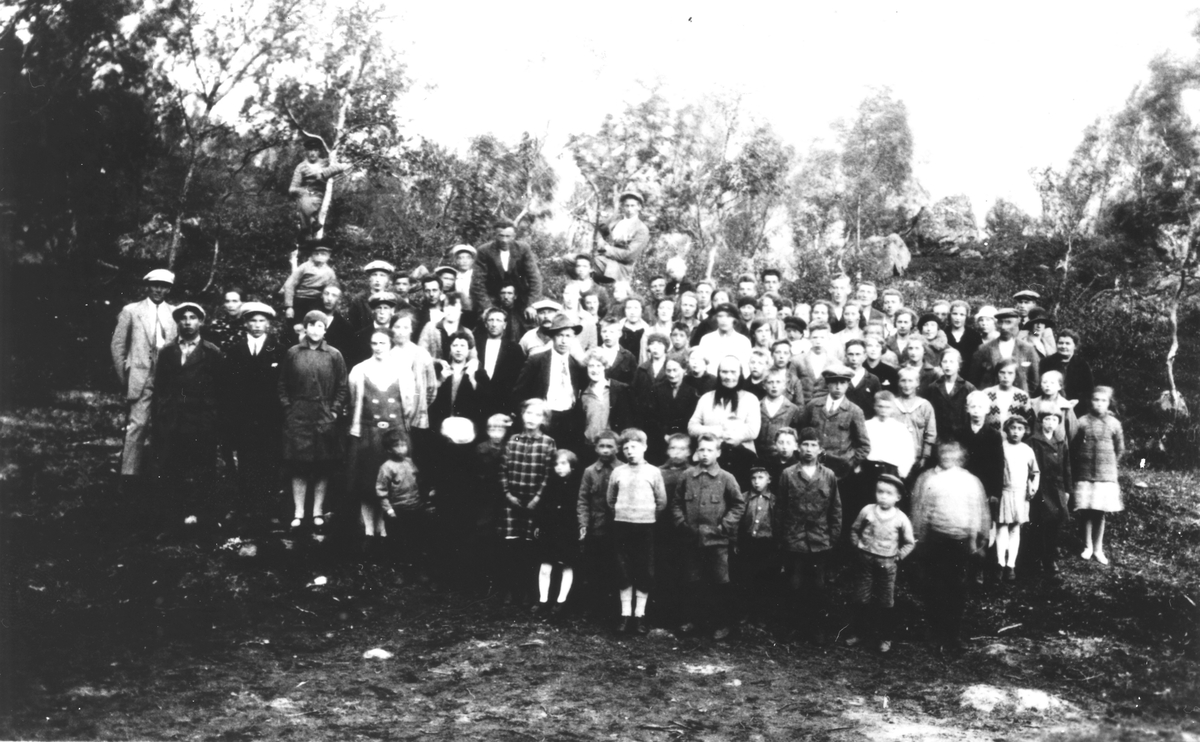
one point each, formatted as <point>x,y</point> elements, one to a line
<point>109,634</point>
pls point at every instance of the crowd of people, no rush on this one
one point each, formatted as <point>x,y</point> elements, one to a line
<point>726,452</point>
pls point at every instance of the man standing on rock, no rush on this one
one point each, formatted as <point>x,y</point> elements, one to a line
<point>143,329</point>
<point>622,242</point>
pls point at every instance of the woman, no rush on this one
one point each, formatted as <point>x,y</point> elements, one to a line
<point>664,321</point>
<point>985,323</point>
<point>313,392</point>
<point>768,309</point>
<point>733,416</point>
<point>689,307</point>
<point>1077,374</point>
<point>417,388</point>
<point>376,407</point>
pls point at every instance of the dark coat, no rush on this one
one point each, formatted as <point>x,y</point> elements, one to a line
<point>467,402</point>
<point>1054,462</point>
<point>621,406</point>
<point>810,510</point>
<point>843,434</point>
<point>534,379</point>
<point>643,386</point>
<point>495,392</point>
<point>489,276</point>
<point>949,410</point>
<point>189,405</point>
<point>985,458</point>
<point>703,384</point>
<point>360,346</point>
<point>966,346</point>
<point>987,359</point>
<point>623,367</point>
<point>666,414</point>
<point>313,391</point>
<point>253,381</point>
<point>339,334</point>
<point>889,377</point>
<point>863,393</point>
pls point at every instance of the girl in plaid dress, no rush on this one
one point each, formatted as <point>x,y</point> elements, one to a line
<point>528,460</point>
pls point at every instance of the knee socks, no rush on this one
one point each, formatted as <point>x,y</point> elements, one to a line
<point>1008,542</point>
<point>544,582</point>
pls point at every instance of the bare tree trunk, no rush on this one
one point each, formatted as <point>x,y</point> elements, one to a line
<point>1173,315</point>
<point>176,231</point>
<point>212,271</point>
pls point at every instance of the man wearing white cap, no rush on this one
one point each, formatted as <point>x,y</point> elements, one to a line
<point>464,262</point>
<point>379,279</point>
<point>143,328</point>
<point>623,240</point>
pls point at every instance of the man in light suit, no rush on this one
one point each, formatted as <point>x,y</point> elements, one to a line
<point>622,242</point>
<point>994,352</point>
<point>143,328</point>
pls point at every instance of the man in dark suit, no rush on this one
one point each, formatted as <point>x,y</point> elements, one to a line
<point>338,334</point>
<point>189,405</point>
<point>501,262</point>
<point>994,352</point>
<point>557,378</point>
<point>255,418</point>
<point>500,362</point>
<point>383,308</point>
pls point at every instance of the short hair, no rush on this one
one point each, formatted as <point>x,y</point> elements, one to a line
<point>606,435</point>
<point>503,224</point>
<point>332,287</point>
<point>918,339</point>
<point>941,303</point>
<point>610,319</point>
<point>658,337</point>
<point>856,341</point>
<point>839,278</point>
<point>1052,374</point>
<point>818,326</point>
<point>681,327</point>
<point>706,282</point>
<point>822,303</point>
<point>687,294</point>
<point>884,396</point>
<point>495,310</point>
<point>461,334</point>
<point>760,353</point>
<point>950,353</point>
<point>777,343</point>
<point>386,333</point>
<point>866,283</point>
<point>633,434</point>
<point>787,430</point>
<point>1105,390</point>
<point>776,371</point>
<point>962,304</point>
<point>1015,420</point>
<point>1048,413</point>
<point>1068,333</point>
<point>532,402</point>
<point>431,278</point>
<point>908,370</point>
<point>771,272</point>
<point>662,301</point>
<point>570,456</point>
<point>747,278</point>
<point>633,297</point>
<point>658,277</point>
<point>760,322</point>
<point>868,339</point>
<point>233,290</point>
<point>695,351</point>
<point>774,297</point>
<point>786,302</point>
<point>892,292</point>
<point>1006,364</point>
<point>707,438</point>
<point>452,297</point>
<point>978,396</point>
<point>405,313</point>
<point>393,436</point>
<point>678,437</point>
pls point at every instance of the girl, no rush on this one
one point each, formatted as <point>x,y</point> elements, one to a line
<point>762,334</point>
<point>1049,508</point>
<point>312,388</point>
<point>558,531</point>
<point>528,459</point>
<point>1005,398</point>
<point>1101,443</point>
<point>1020,482</point>
<point>376,411</point>
<point>1052,400</point>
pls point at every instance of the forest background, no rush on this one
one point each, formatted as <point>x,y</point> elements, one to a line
<point>142,133</point>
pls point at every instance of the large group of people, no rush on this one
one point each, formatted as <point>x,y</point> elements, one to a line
<point>725,452</point>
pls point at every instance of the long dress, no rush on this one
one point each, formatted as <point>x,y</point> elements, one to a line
<point>313,391</point>
<point>378,409</point>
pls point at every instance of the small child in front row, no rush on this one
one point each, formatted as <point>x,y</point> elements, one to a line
<point>882,536</point>
<point>636,494</point>
<point>1048,511</point>
<point>528,460</point>
<point>396,489</point>
<point>1101,442</point>
<point>758,563</point>
<point>558,531</point>
<point>1020,483</point>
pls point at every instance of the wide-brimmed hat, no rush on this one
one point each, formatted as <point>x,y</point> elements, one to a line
<point>382,297</point>
<point>631,193</point>
<point>256,307</point>
<point>178,310</point>
<point>379,265</point>
<point>560,322</point>
<point>462,248</point>
<point>1037,314</point>
<point>160,275</point>
<point>837,372</point>
<point>1006,313</point>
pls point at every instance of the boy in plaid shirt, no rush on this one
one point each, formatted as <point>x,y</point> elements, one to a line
<point>528,460</point>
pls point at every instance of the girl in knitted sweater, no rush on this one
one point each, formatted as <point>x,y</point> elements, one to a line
<point>1099,446</point>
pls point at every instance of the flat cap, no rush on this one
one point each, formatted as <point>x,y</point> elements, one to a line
<point>193,306</point>
<point>382,297</point>
<point>379,265</point>
<point>160,275</point>
<point>255,307</point>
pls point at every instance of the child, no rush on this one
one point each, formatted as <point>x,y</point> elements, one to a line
<point>1006,399</point>
<point>636,494</point>
<point>777,410</point>
<point>489,455</point>
<point>757,563</point>
<point>595,520</point>
<point>680,333</point>
<point>786,453</point>
<point>707,507</point>
<point>621,363</point>
<point>556,531</point>
<point>668,566</point>
<point>1049,508</point>
<point>882,536</point>
<point>396,489</point>
<point>1101,443</point>
<point>528,459</point>
<point>1052,400</point>
<point>917,415</point>
<point>810,522</point>
<point>303,288</point>
<point>892,446</point>
<point>1020,482</point>
<point>951,522</point>
<point>984,447</point>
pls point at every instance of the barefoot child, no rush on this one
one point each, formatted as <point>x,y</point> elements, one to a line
<point>636,494</point>
<point>528,459</point>
<point>1100,445</point>
<point>882,536</point>
<point>1020,482</point>
<point>557,532</point>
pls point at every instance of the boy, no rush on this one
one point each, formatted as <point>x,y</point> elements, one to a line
<point>784,453</point>
<point>810,522</point>
<point>892,447</point>
<point>864,385</point>
<point>633,329</point>
<point>757,563</point>
<point>984,449</point>
<point>839,423</point>
<point>882,536</point>
<point>489,458</point>
<point>1048,511</point>
<point>781,358</point>
<point>636,494</point>
<point>621,363</point>
<point>679,343</point>
<point>668,556</point>
<point>707,507</point>
<point>778,411</point>
<point>396,488</point>
<point>760,360</point>
<point>302,290</point>
<point>595,519</point>
<point>951,522</point>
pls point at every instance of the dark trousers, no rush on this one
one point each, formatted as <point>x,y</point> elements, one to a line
<point>946,561</point>
<point>260,479</point>
<point>633,545</point>
<point>756,573</point>
<point>709,598</point>
<point>809,593</point>
<point>519,569</point>
<point>597,574</point>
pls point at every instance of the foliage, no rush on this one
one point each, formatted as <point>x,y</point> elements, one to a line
<point>876,159</point>
<point>1005,220</point>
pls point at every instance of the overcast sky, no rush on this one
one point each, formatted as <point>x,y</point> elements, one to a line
<point>991,91</point>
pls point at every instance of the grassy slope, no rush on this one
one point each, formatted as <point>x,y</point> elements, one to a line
<point>115,637</point>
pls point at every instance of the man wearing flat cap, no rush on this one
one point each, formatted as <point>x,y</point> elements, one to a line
<point>255,417</point>
<point>621,244</point>
<point>463,257</point>
<point>992,354</point>
<point>558,378</point>
<point>383,308</point>
<point>379,278</point>
<point>502,262</point>
<point>143,329</point>
<point>839,423</point>
<point>189,407</point>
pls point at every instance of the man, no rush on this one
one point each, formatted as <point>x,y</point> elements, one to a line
<point>383,308</point>
<point>1026,302</point>
<point>379,278</point>
<point>464,263</point>
<point>893,301</point>
<point>189,405</point>
<point>579,271</point>
<point>992,353</point>
<point>622,242</point>
<point>866,294</point>
<point>678,285</point>
<point>143,329</point>
<point>308,184</point>
<point>557,378</point>
<point>537,339</point>
<point>430,309</point>
<point>658,291</point>
<point>772,281</point>
<point>255,418</point>
<point>515,325</point>
<point>500,363</point>
<point>704,292</point>
<point>503,262</point>
<point>863,384</point>
<point>338,333</point>
<point>839,292</point>
<point>966,340</point>
<point>904,321</point>
<point>447,275</point>
<point>725,340</point>
<point>809,366</point>
<point>839,423</point>
<point>747,286</point>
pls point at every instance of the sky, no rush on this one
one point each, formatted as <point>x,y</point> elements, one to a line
<point>992,91</point>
